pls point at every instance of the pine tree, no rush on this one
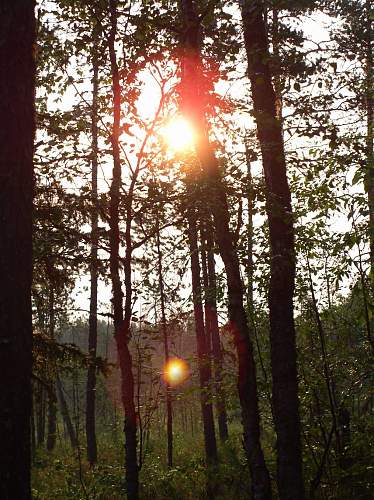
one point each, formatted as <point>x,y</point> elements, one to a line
<point>281,233</point>
<point>17,84</point>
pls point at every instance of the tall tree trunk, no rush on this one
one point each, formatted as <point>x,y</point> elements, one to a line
<point>17,84</point>
<point>370,128</point>
<point>65,414</point>
<point>250,263</point>
<point>211,318</point>
<point>92,329</point>
<point>169,409</point>
<point>193,107</point>
<point>205,294</point>
<point>202,351</point>
<point>122,315</point>
<point>52,400</point>
<point>282,329</point>
<point>369,177</point>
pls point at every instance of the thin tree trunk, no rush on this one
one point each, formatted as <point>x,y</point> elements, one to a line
<point>193,107</point>
<point>169,409</point>
<point>370,129</point>
<point>250,264</point>
<point>65,414</point>
<point>122,315</point>
<point>202,352</point>
<point>52,419</point>
<point>282,329</point>
<point>17,87</point>
<point>211,316</point>
<point>205,283</point>
<point>32,425</point>
<point>52,400</point>
<point>92,329</point>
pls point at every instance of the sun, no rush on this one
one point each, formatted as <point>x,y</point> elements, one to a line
<point>178,134</point>
<point>175,371</point>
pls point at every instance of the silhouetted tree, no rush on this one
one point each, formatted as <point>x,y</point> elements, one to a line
<point>17,129</point>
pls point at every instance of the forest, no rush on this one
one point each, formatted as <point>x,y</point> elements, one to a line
<point>186,249</point>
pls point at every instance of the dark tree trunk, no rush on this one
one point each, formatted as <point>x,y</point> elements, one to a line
<point>282,329</point>
<point>211,318</point>
<point>205,294</point>
<point>52,400</point>
<point>122,315</point>
<point>194,109</point>
<point>250,263</point>
<point>369,174</point>
<point>52,419</point>
<point>169,408</point>
<point>17,129</point>
<point>40,415</point>
<point>370,130</point>
<point>92,330</point>
<point>202,351</point>
<point>32,425</point>
<point>66,415</point>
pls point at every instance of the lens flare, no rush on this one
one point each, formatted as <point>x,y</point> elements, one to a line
<point>175,371</point>
<point>178,134</point>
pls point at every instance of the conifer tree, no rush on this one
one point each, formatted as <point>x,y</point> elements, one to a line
<point>283,258</point>
<point>17,87</point>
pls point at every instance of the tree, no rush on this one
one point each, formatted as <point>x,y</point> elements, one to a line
<point>211,320</point>
<point>192,102</point>
<point>17,83</point>
<point>168,395</point>
<point>122,315</point>
<point>203,357</point>
<point>281,233</point>
<point>92,333</point>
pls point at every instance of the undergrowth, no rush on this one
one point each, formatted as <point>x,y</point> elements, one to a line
<point>65,474</point>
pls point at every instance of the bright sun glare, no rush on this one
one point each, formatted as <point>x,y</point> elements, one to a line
<point>178,134</point>
<point>175,371</point>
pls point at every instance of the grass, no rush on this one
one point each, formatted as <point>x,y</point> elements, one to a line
<point>65,474</point>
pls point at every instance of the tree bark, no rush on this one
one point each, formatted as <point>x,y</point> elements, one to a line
<point>66,415</point>
<point>250,263</point>
<point>17,88</point>
<point>52,420</point>
<point>122,315</point>
<point>282,329</point>
<point>202,351</point>
<point>194,108</point>
<point>52,400</point>
<point>92,327</point>
<point>370,130</point>
<point>211,318</point>
<point>169,408</point>
<point>32,426</point>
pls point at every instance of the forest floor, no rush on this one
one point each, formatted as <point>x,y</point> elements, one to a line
<point>64,474</point>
